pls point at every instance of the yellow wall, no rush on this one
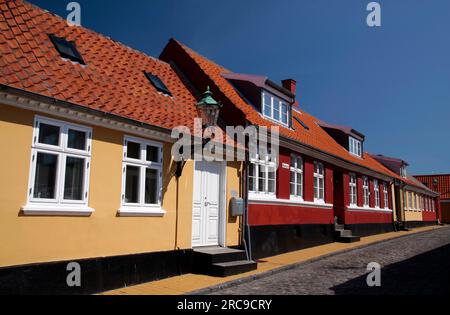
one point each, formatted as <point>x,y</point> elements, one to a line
<point>408,214</point>
<point>32,239</point>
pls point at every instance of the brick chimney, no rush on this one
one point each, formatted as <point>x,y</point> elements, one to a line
<point>291,85</point>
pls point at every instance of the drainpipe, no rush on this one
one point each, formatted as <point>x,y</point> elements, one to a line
<point>246,233</point>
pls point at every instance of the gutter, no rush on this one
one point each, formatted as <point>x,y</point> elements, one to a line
<point>53,101</point>
<point>333,159</point>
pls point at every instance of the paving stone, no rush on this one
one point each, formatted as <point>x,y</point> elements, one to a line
<point>415,264</point>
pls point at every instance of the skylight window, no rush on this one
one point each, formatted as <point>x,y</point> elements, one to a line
<point>157,83</point>
<point>67,49</point>
<point>355,147</point>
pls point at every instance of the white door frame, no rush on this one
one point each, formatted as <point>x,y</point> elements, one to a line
<point>222,202</point>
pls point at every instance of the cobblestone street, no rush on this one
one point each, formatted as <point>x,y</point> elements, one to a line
<point>415,264</point>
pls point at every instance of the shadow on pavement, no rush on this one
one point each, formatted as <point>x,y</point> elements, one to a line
<point>425,274</point>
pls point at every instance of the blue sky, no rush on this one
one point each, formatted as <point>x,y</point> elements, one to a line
<point>392,83</point>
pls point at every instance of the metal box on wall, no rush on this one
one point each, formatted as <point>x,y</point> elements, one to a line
<point>236,207</point>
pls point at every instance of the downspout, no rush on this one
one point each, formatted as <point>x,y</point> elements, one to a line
<point>246,235</point>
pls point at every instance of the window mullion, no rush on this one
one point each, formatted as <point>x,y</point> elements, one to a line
<point>141,189</point>
<point>60,176</point>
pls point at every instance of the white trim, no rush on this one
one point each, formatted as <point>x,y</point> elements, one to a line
<point>223,205</point>
<point>272,107</point>
<point>58,205</point>
<point>82,117</point>
<point>128,211</point>
<point>141,208</point>
<point>354,147</point>
<point>355,186</point>
<point>52,210</point>
<point>319,177</point>
<point>353,208</point>
<point>297,170</point>
<point>290,202</point>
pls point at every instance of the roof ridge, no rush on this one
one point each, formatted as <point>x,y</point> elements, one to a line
<point>188,49</point>
<point>24,2</point>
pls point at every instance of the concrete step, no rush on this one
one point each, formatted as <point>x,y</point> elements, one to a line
<point>348,239</point>
<point>346,233</point>
<point>230,268</point>
<point>216,254</point>
<point>339,227</point>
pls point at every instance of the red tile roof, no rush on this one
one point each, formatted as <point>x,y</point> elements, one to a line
<point>113,80</point>
<point>315,137</point>
<point>443,183</point>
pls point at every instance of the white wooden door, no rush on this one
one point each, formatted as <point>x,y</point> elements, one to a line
<point>206,204</point>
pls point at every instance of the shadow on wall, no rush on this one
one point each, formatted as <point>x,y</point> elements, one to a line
<point>425,274</point>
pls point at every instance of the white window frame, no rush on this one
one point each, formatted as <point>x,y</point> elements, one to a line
<point>59,205</point>
<point>141,208</point>
<point>366,192</point>
<point>376,189</point>
<point>355,146</point>
<point>353,184</point>
<point>386,195</point>
<point>318,178</point>
<point>258,163</point>
<point>296,169</point>
<point>273,100</point>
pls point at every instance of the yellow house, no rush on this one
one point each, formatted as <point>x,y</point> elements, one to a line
<point>88,181</point>
<point>415,204</point>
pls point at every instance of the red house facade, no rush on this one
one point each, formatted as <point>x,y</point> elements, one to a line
<point>441,184</point>
<point>325,187</point>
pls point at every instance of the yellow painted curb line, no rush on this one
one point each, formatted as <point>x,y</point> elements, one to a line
<point>187,283</point>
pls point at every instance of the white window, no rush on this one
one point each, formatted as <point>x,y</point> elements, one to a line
<point>353,190</point>
<point>355,147</point>
<point>296,177</point>
<point>142,177</point>
<point>376,189</point>
<point>60,164</point>
<point>409,200</point>
<point>414,201</point>
<point>366,192</point>
<point>319,182</point>
<point>275,108</point>
<point>433,205</point>
<point>425,203</point>
<point>386,195</point>
<point>262,179</point>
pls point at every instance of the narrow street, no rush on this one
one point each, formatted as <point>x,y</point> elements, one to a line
<point>415,264</point>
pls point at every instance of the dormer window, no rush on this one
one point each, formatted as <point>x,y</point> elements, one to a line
<point>275,108</point>
<point>355,146</point>
<point>67,49</point>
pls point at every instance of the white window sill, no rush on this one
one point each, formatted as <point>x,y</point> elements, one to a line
<point>290,202</point>
<point>127,211</point>
<point>57,210</point>
<point>356,208</point>
<point>261,196</point>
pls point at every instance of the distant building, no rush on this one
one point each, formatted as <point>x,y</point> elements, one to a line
<point>441,184</point>
<point>415,204</point>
